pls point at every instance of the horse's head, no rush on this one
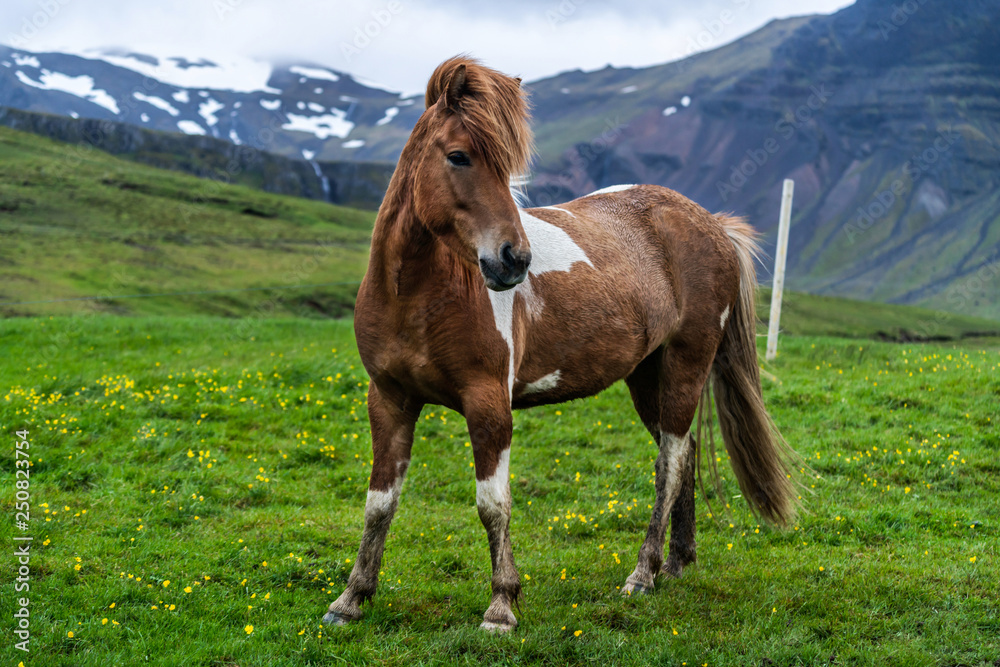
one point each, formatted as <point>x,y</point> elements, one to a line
<point>477,136</point>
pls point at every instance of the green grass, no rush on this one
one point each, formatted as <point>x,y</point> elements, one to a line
<point>80,223</point>
<point>812,315</point>
<point>230,457</point>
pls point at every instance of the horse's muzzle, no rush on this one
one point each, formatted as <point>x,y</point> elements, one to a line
<point>507,270</point>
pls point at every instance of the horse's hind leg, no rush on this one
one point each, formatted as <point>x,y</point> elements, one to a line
<point>682,522</point>
<point>666,388</point>
<point>392,438</point>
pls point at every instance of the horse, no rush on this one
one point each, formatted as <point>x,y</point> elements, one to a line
<point>475,304</point>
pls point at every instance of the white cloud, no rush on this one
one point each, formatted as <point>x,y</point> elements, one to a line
<point>401,49</point>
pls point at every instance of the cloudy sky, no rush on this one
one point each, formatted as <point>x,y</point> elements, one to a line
<point>398,42</point>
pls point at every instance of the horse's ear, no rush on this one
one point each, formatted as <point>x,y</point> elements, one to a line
<point>456,88</point>
<point>518,80</point>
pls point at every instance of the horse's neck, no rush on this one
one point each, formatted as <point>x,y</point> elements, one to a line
<point>399,241</point>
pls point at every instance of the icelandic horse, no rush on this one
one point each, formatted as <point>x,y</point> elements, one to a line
<point>475,304</point>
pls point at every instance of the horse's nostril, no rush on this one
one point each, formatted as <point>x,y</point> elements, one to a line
<point>507,255</point>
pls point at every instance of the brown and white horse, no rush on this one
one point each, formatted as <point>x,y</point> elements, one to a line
<point>472,303</point>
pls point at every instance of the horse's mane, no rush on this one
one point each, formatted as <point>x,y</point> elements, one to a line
<point>494,111</point>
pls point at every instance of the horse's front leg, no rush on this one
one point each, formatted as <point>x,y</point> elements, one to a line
<point>490,426</point>
<point>392,423</point>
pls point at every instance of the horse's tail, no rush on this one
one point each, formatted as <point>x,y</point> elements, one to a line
<point>756,449</point>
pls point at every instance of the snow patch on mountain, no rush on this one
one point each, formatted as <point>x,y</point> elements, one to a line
<point>329,125</point>
<point>82,86</point>
<point>314,73</point>
<point>182,96</point>
<point>26,61</point>
<point>157,102</point>
<point>270,105</point>
<point>390,113</point>
<point>368,83</point>
<point>190,127</point>
<point>242,75</point>
<point>207,110</point>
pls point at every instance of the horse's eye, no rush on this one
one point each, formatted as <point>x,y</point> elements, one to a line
<point>459,159</point>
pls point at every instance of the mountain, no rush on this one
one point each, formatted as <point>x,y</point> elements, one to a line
<point>886,114</point>
<point>300,110</point>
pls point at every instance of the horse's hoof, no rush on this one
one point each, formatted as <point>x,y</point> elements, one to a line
<point>498,628</point>
<point>333,618</point>
<point>633,588</point>
<point>673,569</point>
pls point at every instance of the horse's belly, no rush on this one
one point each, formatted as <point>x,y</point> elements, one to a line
<point>573,362</point>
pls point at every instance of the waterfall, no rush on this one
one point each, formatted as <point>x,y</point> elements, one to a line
<point>322,179</point>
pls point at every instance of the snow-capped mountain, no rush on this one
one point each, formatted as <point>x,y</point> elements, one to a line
<point>295,109</point>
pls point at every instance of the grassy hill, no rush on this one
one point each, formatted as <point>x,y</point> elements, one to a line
<point>77,222</point>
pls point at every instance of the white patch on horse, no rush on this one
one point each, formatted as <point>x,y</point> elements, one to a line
<point>380,503</point>
<point>725,316</point>
<point>556,208</point>
<point>550,381</point>
<point>503,317</point>
<point>552,249</point>
<point>611,188</point>
<point>494,491</point>
<point>675,450</point>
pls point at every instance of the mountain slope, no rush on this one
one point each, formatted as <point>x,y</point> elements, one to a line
<point>356,184</point>
<point>80,224</point>
<point>889,122</point>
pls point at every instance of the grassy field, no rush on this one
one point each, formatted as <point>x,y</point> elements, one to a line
<point>77,222</point>
<point>197,487</point>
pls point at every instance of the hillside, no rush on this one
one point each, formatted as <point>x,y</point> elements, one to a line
<point>355,184</point>
<point>83,223</point>
<point>79,223</point>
